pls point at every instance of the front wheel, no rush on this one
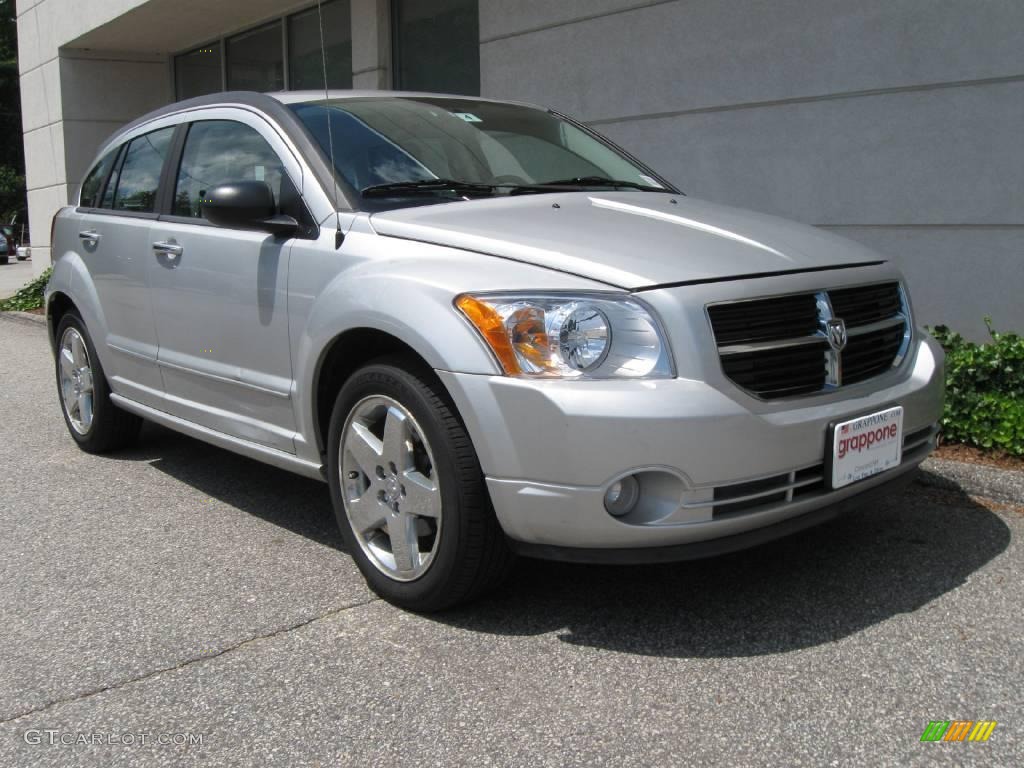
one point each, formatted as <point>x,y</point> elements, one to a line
<point>408,492</point>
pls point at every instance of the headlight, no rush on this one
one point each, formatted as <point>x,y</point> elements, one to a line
<point>582,336</point>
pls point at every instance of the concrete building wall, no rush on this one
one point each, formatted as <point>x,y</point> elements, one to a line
<point>899,124</point>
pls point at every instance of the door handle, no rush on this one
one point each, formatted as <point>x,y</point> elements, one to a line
<point>90,236</point>
<point>168,248</point>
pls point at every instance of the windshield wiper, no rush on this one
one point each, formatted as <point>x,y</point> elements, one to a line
<point>426,185</point>
<point>597,181</point>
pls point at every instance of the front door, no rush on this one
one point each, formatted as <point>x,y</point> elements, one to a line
<point>220,295</point>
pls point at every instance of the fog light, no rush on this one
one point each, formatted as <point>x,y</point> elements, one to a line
<point>622,496</point>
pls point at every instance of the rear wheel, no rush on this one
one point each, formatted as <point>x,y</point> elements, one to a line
<point>408,491</point>
<point>96,424</point>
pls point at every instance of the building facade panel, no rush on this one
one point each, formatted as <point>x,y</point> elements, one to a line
<point>918,158</point>
<point>697,55</point>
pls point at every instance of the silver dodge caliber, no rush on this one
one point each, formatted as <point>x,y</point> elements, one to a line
<point>489,329</point>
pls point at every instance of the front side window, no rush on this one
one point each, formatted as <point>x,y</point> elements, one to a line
<point>508,147</point>
<point>92,187</point>
<point>140,172</point>
<point>221,152</point>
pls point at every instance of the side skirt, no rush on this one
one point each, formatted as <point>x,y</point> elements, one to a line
<point>256,451</point>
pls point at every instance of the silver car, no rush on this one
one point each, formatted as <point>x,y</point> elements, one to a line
<point>489,330</point>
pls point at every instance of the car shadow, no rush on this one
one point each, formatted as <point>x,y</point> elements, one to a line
<point>815,587</point>
<point>287,500</point>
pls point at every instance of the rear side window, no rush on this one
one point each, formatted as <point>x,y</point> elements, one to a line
<point>92,187</point>
<point>140,172</point>
<point>220,152</point>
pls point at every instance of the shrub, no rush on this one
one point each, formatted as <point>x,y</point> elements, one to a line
<point>30,296</point>
<point>984,390</point>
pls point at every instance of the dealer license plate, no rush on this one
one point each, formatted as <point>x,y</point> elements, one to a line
<point>867,445</point>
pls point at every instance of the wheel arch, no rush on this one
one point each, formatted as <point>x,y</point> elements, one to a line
<point>58,304</point>
<point>344,355</point>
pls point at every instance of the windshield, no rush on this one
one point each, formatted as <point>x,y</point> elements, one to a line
<point>499,148</point>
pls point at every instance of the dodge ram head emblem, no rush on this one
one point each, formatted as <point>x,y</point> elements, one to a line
<point>836,330</point>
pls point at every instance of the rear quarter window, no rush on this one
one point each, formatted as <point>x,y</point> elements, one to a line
<point>92,187</point>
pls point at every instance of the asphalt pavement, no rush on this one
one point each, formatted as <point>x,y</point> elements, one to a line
<point>177,592</point>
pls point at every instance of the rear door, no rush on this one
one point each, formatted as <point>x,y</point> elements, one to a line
<point>117,208</point>
<point>220,295</point>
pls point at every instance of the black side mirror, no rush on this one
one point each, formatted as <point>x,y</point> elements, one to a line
<point>246,205</point>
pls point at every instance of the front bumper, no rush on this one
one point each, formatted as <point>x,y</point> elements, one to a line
<point>550,450</point>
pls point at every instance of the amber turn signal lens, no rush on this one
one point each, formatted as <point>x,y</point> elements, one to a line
<point>529,337</point>
<point>492,328</point>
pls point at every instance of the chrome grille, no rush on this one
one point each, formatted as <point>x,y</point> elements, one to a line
<point>781,346</point>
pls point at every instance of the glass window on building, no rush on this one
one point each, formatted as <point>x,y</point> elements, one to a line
<point>255,60</point>
<point>437,46</point>
<point>305,66</point>
<point>198,72</point>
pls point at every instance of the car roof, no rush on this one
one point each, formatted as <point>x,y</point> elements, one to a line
<point>271,103</point>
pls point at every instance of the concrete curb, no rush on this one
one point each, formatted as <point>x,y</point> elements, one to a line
<point>24,317</point>
<point>1004,485</point>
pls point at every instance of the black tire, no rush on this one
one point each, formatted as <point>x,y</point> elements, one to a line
<point>471,555</point>
<point>111,427</point>
<point>4,260</point>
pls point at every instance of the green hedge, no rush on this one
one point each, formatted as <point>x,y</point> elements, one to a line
<point>29,297</point>
<point>984,390</point>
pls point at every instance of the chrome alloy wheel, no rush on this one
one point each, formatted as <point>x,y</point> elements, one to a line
<point>390,487</point>
<point>76,384</point>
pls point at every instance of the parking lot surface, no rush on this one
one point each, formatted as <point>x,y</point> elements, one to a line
<point>177,590</point>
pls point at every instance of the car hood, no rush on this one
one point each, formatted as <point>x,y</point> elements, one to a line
<point>627,239</point>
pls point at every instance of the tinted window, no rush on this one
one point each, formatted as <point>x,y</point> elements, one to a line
<point>305,66</point>
<point>198,73</point>
<point>437,46</point>
<point>140,172</point>
<point>256,61</point>
<point>222,151</point>
<point>92,187</point>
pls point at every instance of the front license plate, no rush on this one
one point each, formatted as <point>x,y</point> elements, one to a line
<point>865,446</point>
